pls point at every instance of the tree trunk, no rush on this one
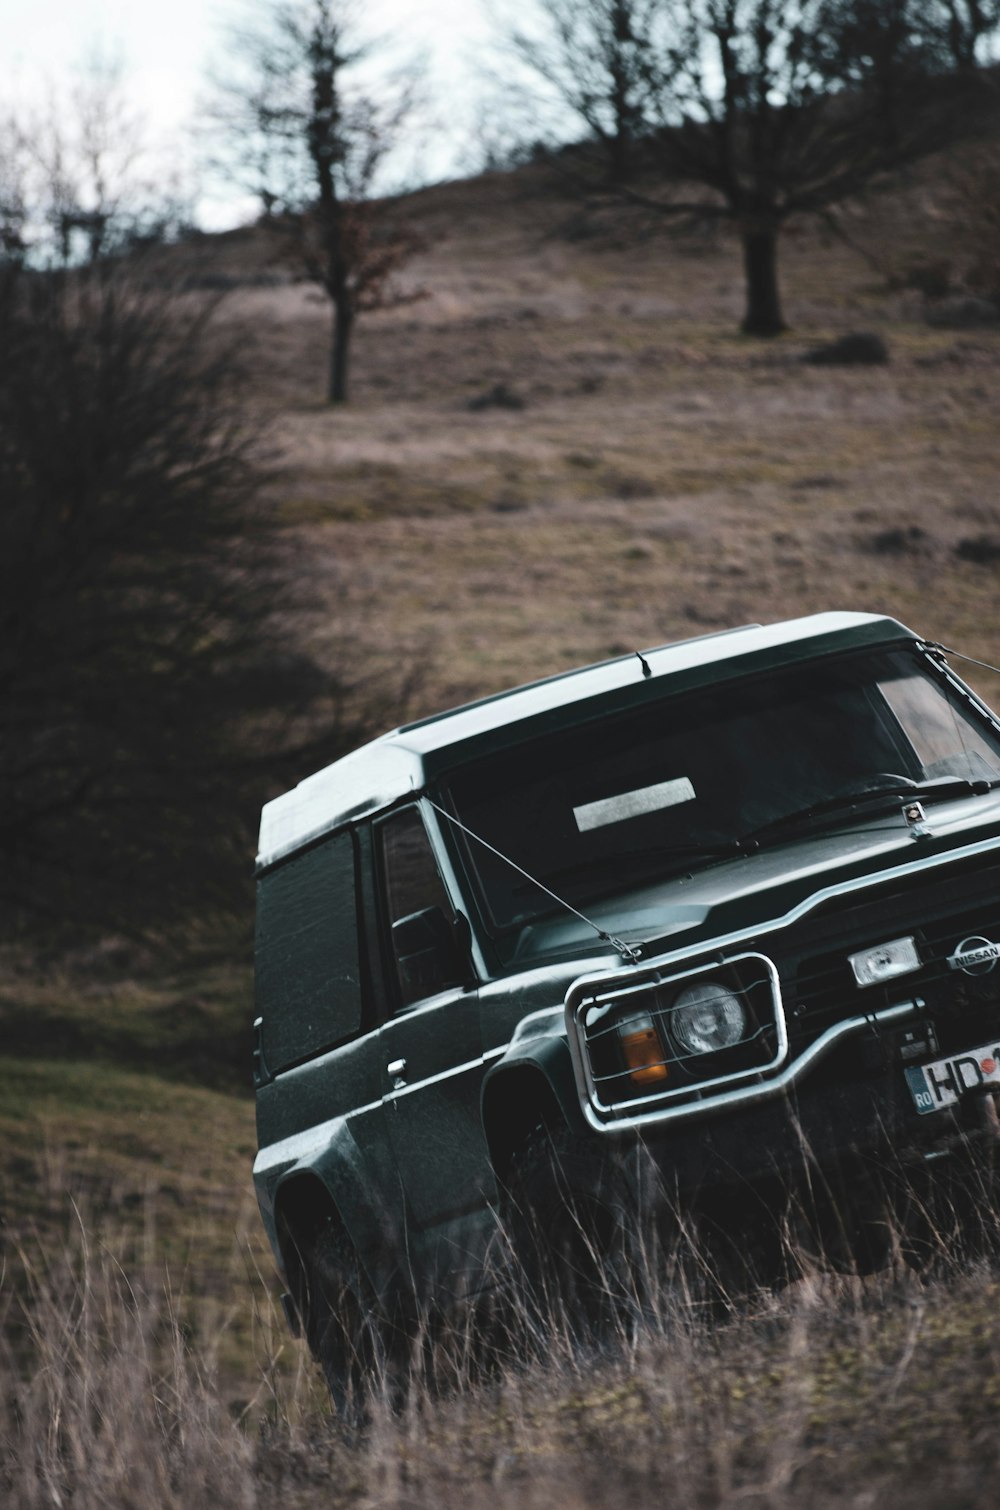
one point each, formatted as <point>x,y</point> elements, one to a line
<point>760,264</point>
<point>340,343</point>
<point>620,166</point>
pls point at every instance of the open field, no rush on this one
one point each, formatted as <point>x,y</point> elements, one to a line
<point>642,473</point>
<point>665,476</point>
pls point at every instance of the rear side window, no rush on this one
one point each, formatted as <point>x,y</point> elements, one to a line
<point>308,970</point>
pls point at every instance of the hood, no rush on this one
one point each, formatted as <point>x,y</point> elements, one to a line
<point>748,891</point>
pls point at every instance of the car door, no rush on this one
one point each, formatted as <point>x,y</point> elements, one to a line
<point>317,1043</point>
<point>431,1054</point>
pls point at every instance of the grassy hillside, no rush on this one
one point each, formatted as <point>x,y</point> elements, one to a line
<point>561,451</point>
<point>662,475</point>
<point>126,1123</point>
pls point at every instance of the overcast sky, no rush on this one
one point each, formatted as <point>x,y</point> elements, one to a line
<point>166,49</point>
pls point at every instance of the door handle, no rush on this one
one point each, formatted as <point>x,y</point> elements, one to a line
<point>395,1070</point>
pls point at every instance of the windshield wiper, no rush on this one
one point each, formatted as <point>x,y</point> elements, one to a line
<point>888,790</point>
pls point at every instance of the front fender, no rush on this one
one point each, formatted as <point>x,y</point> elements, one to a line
<point>311,1175</point>
<point>531,1084</point>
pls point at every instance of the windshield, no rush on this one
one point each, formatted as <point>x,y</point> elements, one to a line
<point>606,807</point>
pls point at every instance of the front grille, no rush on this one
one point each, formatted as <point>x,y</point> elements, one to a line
<point>817,981</point>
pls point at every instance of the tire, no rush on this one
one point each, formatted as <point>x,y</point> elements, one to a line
<point>344,1324</point>
<point>582,1263</point>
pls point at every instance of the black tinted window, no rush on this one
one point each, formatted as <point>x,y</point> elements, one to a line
<point>412,885</point>
<point>597,809</point>
<point>308,969</point>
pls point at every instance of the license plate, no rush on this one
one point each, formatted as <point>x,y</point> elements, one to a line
<point>945,1081</point>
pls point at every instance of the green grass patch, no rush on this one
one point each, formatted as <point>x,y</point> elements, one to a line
<point>192,1022</point>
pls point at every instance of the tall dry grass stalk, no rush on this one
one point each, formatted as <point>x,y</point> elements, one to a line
<point>103,1401</point>
<point>837,1390</point>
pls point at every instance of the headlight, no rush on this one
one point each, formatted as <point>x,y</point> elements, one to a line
<point>707,1017</point>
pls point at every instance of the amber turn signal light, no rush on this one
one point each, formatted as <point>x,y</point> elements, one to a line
<point>642,1049</point>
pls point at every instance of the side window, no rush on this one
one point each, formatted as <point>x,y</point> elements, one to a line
<point>417,909</point>
<point>308,972</point>
<point>946,742</point>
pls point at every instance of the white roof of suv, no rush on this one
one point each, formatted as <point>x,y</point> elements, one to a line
<point>400,764</point>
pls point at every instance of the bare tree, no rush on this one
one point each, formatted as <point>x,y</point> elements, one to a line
<point>298,130</point>
<point>83,163</point>
<point>600,61</point>
<point>964,27</point>
<point>881,51</point>
<point>776,109</point>
<point>748,118</point>
<point>788,109</point>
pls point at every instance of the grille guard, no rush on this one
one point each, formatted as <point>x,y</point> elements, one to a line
<point>636,986</point>
<point>767,1086</point>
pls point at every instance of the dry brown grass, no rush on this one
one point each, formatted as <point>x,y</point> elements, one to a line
<point>837,1392</point>
<point>665,476</point>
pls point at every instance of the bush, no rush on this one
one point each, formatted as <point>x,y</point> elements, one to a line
<point>898,540</point>
<point>152,687</point>
<point>862,348</point>
<point>981,550</point>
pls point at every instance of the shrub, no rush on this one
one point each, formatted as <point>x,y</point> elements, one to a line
<point>152,686</point>
<point>861,348</point>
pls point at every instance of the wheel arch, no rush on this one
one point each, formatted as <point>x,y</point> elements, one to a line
<point>303,1206</point>
<point>334,1187</point>
<point>520,1095</point>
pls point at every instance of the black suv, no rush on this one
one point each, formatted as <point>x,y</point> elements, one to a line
<point>681,933</point>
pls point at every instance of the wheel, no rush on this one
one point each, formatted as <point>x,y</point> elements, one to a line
<point>572,1222</point>
<point>344,1323</point>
